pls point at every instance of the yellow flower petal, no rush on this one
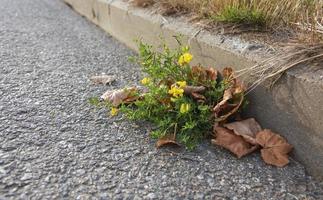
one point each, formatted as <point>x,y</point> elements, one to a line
<point>114,111</point>
<point>145,81</point>
<point>181,84</point>
<point>185,107</point>
<point>185,59</point>
<point>175,91</point>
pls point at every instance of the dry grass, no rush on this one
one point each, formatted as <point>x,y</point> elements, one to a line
<point>277,14</point>
<point>304,16</point>
<point>293,54</point>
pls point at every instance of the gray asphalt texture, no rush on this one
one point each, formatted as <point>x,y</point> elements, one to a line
<point>54,145</point>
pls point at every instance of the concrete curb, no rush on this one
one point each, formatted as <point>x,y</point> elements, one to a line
<point>292,108</point>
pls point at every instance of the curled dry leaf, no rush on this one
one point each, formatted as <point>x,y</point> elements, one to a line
<point>198,97</point>
<point>223,110</point>
<point>275,148</point>
<point>203,74</point>
<point>247,129</point>
<point>234,143</point>
<point>116,97</point>
<point>103,79</point>
<point>227,73</point>
<point>211,73</point>
<point>166,140</point>
<point>234,94</point>
<point>194,89</point>
<point>226,97</point>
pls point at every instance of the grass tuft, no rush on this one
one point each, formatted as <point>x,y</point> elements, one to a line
<point>306,15</point>
<point>241,15</point>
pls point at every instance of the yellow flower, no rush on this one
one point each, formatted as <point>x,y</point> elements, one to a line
<point>181,84</point>
<point>185,107</point>
<point>114,111</point>
<point>175,91</point>
<point>185,59</point>
<point>145,81</point>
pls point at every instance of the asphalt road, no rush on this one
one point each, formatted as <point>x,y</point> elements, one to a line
<point>54,145</point>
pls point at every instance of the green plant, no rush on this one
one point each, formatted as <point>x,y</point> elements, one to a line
<point>248,16</point>
<point>183,101</point>
<point>187,103</point>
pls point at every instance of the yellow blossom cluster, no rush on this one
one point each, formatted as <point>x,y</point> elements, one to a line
<point>185,59</point>
<point>177,89</point>
<point>145,81</point>
<point>114,111</point>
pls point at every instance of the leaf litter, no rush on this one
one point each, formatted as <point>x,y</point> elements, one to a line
<point>103,79</point>
<point>239,137</point>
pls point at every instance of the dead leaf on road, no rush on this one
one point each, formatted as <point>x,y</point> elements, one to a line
<point>116,97</point>
<point>247,129</point>
<point>103,79</point>
<point>166,140</point>
<point>234,143</point>
<point>275,148</point>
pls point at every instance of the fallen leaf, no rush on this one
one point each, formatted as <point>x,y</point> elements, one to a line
<point>193,89</point>
<point>203,74</point>
<point>198,97</point>
<point>166,140</point>
<point>103,79</point>
<point>116,97</point>
<point>226,97</point>
<point>234,143</point>
<point>212,73</point>
<point>275,148</point>
<point>235,107</point>
<point>247,129</point>
<point>234,95</point>
<point>227,73</point>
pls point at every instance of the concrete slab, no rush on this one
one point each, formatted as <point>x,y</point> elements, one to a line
<point>293,108</point>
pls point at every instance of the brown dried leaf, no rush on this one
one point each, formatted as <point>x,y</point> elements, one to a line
<point>193,89</point>
<point>226,97</point>
<point>203,74</point>
<point>234,94</point>
<point>227,73</point>
<point>247,129</point>
<point>235,108</point>
<point>194,92</point>
<point>212,73</point>
<point>198,97</point>
<point>275,148</point>
<point>234,143</point>
<point>116,97</point>
<point>166,140</point>
<point>103,79</point>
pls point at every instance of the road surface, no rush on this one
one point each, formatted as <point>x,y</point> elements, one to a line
<point>55,145</point>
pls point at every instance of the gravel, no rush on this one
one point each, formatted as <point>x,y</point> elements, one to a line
<point>54,145</point>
